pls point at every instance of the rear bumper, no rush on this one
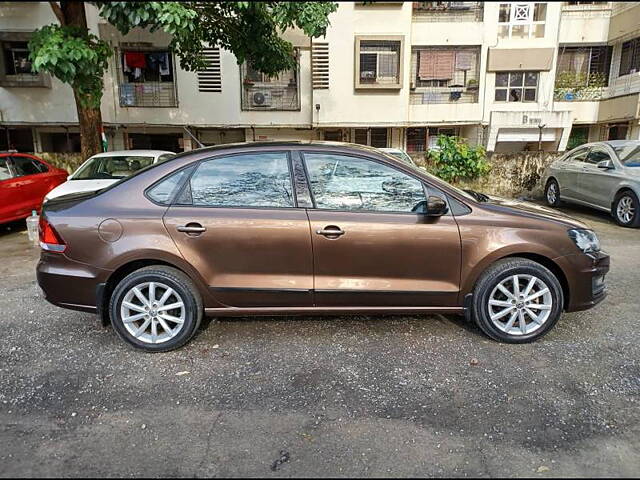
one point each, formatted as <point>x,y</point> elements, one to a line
<point>586,279</point>
<point>69,284</point>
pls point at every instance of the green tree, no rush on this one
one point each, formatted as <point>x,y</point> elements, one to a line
<point>456,160</point>
<point>251,30</point>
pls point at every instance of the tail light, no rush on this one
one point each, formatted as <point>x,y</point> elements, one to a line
<point>49,238</point>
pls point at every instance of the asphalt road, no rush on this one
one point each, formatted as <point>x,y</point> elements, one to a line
<point>359,396</point>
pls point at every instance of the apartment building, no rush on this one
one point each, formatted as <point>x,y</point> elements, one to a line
<point>511,76</point>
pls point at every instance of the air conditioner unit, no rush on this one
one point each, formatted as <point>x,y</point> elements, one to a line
<point>261,99</point>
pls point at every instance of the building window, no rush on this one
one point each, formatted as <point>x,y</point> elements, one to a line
<point>445,75</point>
<point>374,137</point>
<point>421,139</point>
<point>522,20</point>
<point>582,73</point>
<point>147,78</point>
<point>379,62</point>
<point>261,92</point>
<point>15,70</point>
<point>516,86</point>
<point>448,11</point>
<point>630,57</point>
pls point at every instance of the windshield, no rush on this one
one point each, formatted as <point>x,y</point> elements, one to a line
<point>629,154</point>
<point>111,168</point>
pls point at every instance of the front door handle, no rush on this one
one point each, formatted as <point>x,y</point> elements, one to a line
<point>192,229</point>
<point>331,231</point>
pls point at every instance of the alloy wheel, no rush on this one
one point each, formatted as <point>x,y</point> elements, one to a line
<point>625,209</point>
<point>520,304</point>
<point>552,193</point>
<point>152,312</point>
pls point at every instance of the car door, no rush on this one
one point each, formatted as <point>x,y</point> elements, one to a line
<point>569,172</point>
<point>237,223</point>
<point>597,185</point>
<point>8,192</point>
<point>369,248</point>
<point>29,185</point>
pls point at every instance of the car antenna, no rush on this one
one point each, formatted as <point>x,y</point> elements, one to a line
<point>200,144</point>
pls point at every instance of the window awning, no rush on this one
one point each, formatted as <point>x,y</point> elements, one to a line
<point>520,59</point>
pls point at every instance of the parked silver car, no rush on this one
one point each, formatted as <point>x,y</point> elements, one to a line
<point>602,175</point>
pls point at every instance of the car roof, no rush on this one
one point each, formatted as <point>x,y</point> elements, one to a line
<point>133,153</point>
<point>391,149</point>
<point>286,144</point>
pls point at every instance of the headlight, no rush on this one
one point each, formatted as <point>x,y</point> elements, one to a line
<point>585,240</point>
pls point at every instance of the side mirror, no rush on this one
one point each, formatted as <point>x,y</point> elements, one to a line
<point>605,165</point>
<point>431,207</point>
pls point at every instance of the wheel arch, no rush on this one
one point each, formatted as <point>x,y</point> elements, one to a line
<point>543,260</point>
<point>131,266</point>
<point>621,189</point>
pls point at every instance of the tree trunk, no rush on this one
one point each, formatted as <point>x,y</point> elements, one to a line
<point>90,122</point>
<point>89,119</point>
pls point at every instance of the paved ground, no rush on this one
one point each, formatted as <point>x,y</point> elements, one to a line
<point>400,396</point>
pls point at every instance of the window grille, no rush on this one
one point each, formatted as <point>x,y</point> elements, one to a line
<point>445,75</point>
<point>146,77</point>
<point>261,92</point>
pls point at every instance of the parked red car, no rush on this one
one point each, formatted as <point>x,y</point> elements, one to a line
<point>24,181</point>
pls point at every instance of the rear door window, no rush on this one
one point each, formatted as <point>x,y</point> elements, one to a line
<point>579,156</point>
<point>246,180</point>
<point>28,166</point>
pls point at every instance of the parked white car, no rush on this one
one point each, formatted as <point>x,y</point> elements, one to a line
<point>106,168</point>
<point>399,154</point>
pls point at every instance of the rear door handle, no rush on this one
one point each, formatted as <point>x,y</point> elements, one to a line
<point>192,228</point>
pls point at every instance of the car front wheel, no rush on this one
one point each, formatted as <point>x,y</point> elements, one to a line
<point>517,300</point>
<point>626,210</point>
<point>156,309</point>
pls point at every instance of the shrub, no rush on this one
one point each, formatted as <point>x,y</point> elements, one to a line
<point>457,160</point>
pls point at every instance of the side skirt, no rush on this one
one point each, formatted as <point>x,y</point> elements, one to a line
<point>271,311</point>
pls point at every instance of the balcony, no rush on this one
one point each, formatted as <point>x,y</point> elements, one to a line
<point>580,87</point>
<point>448,11</point>
<point>530,118</point>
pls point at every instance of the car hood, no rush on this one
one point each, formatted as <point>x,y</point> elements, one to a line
<point>520,207</point>
<point>75,186</point>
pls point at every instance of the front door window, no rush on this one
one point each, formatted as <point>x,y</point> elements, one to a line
<point>341,182</point>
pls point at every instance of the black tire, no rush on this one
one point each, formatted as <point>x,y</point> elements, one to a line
<point>628,196</point>
<point>500,271</point>
<point>176,280</point>
<point>552,185</point>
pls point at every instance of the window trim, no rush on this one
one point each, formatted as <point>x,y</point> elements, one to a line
<point>425,185</point>
<point>41,80</point>
<point>197,164</point>
<point>356,71</point>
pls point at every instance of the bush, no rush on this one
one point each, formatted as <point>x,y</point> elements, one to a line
<point>457,160</point>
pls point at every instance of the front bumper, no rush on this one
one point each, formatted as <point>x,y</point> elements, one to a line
<point>585,275</point>
<point>67,283</point>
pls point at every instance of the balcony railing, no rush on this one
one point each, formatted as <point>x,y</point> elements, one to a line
<point>580,87</point>
<point>453,94</point>
<point>148,94</point>
<point>448,11</point>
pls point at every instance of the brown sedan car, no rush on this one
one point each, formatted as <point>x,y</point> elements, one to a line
<point>309,228</point>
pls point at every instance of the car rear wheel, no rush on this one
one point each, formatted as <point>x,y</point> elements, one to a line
<point>156,309</point>
<point>626,209</point>
<point>517,300</point>
<point>552,193</point>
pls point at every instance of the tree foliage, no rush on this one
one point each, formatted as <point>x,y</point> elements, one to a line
<point>456,160</point>
<point>251,30</point>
